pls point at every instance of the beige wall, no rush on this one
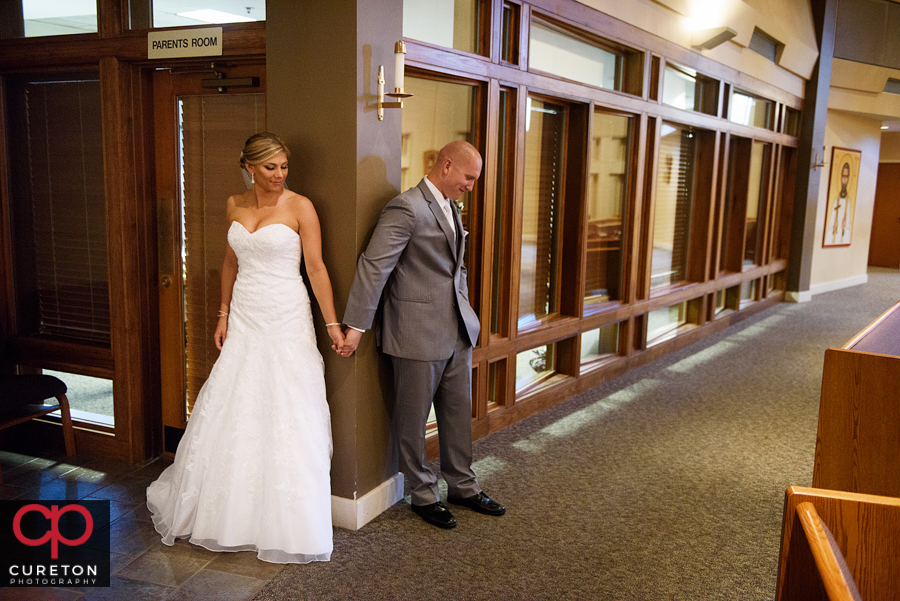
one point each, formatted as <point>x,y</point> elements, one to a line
<point>348,163</point>
<point>788,21</point>
<point>890,147</point>
<point>839,267</point>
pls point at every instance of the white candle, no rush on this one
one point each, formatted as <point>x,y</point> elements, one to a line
<point>399,56</point>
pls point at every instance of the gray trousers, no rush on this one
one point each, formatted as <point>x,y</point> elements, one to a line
<point>447,384</point>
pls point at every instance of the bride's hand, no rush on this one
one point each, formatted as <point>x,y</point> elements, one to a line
<point>337,337</point>
<point>221,331</point>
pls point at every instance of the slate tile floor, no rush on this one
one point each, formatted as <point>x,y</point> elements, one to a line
<point>143,569</point>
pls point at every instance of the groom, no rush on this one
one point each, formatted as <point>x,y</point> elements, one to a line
<point>414,261</point>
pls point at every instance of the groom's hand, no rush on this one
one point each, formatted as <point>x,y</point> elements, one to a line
<point>351,342</point>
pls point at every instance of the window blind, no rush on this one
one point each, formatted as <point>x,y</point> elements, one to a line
<point>214,129</point>
<point>542,210</point>
<point>674,204</point>
<point>65,259</point>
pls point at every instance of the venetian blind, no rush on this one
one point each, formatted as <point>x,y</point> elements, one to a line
<point>66,203</point>
<point>213,132</point>
<point>542,211</point>
<point>674,203</point>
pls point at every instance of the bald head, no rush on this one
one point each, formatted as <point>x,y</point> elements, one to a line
<point>457,168</point>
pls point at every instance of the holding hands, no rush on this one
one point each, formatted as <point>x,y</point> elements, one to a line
<point>351,341</point>
<point>337,336</point>
<point>344,342</point>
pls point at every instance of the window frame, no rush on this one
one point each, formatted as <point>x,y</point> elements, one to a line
<point>571,211</point>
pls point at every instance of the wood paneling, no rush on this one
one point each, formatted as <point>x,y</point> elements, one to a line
<point>864,548</point>
<point>858,439</point>
<point>86,50</point>
<point>130,259</point>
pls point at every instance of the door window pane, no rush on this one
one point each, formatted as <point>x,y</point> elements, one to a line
<point>748,292</point>
<point>177,13</point>
<point>750,110</point>
<point>496,384</point>
<point>674,203</point>
<point>441,113</point>
<point>727,300</point>
<point>745,197</point>
<point>509,33</point>
<point>792,122</point>
<point>213,128</point>
<point>37,18</point>
<point>600,343</point>
<point>59,208</point>
<point>449,23</point>
<point>686,89</point>
<point>90,399</point>
<point>606,202</point>
<point>556,51</point>
<point>756,194</point>
<point>545,133</point>
<point>502,210</point>
<point>534,367</point>
<point>663,324</point>
<point>720,301</point>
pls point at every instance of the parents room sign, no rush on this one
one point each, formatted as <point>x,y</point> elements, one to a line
<point>182,43</point>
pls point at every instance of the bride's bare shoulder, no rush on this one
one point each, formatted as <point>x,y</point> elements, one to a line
<point>297,202</point>
<point>241,199</point>
<point>235,203</point>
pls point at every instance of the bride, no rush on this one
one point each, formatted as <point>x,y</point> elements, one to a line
<point>252,472</point>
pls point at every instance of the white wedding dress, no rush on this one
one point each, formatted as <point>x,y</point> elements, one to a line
<point>252,471</point>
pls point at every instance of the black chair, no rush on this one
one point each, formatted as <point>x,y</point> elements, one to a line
<point>22,398</point>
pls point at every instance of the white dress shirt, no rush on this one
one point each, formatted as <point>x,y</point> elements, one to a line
<point>443,202</point>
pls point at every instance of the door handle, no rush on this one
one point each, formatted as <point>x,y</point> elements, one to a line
<point>166,281</point>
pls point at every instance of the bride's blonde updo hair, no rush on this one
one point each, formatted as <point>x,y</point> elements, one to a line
<point>261,147</point>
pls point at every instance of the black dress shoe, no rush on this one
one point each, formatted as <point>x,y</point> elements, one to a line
<point>480,503</point>
<point>436,514</point>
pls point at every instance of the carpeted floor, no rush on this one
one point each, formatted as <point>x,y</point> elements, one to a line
<point>665,483</point>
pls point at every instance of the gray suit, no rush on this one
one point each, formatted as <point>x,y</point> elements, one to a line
<point>413,268</point>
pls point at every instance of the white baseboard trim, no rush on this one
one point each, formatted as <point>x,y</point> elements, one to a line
<point>798,297</point>
<point>353,514</point>
<point>806,295</point>
<point>839,284</point>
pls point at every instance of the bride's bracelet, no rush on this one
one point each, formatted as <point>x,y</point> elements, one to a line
<point>223,313</point>
<point>334,323</point>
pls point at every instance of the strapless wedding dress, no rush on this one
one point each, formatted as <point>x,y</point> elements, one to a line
<point>252,471</point>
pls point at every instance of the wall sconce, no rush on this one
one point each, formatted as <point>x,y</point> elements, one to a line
<point>398,93</point>
<point>707,39</point>
<point>816,162</point>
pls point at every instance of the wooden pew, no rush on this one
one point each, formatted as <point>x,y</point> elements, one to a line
<point>839,546</point>
<point>858,439</point>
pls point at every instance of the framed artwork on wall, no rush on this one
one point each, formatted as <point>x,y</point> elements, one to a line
<point>842,183</point>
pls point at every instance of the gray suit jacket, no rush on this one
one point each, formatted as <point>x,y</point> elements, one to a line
<point>415,265</point>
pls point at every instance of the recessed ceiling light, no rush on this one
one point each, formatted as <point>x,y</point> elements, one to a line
<point>884,127</point>
<point>214,16</point>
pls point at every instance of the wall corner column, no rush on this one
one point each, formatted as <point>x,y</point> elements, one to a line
<point>321,67</point>
<point>812,141</point>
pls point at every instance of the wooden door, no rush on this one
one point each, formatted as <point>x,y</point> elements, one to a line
<point>884,245</point>
<point>200,132</point>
